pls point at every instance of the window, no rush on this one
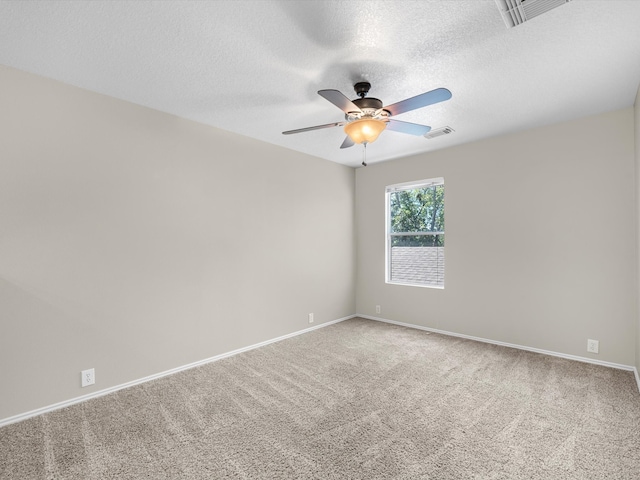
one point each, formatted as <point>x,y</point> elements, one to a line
<point>415,233</point>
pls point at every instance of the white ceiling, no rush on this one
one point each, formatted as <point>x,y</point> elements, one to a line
<point>254,67</point>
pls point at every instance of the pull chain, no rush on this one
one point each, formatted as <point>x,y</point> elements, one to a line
<point>364,154</point>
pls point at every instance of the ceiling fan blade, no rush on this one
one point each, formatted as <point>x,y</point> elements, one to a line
<point>419,101</point>
<point>406,127</point>
<point>347,142</point>
<point>339,100</point>
<point>317,127</point>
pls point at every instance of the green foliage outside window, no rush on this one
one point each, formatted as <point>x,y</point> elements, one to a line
<point>417,210</point>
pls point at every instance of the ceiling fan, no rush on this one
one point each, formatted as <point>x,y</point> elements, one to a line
<point>366,118</point>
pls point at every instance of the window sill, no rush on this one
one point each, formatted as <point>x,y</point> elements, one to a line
<point>437,287</point>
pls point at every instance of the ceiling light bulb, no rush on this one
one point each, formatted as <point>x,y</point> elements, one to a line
<point>365,130</point>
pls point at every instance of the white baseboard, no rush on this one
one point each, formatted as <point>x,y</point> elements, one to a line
<point>511,345</point>
<point>106,391</point>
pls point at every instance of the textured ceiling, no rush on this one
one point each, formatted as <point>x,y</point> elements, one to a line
<point>254,67</point>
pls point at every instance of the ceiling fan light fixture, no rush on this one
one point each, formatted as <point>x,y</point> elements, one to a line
<point>365,130</point>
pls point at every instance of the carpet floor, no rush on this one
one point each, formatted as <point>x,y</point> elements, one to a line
<point>355,400</point>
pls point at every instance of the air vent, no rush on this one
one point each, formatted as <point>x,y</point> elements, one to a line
<point>516,12</point>
<point>438,132</point>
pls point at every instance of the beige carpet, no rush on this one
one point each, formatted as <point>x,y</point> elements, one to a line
<point>360,400</point>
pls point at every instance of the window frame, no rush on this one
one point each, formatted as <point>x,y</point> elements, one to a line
<point>389,189</point>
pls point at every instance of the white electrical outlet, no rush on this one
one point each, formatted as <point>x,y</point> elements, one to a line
<point>311,318</point>
<point>377,308</point>
<point>88,377</point>
<point>593,346</point>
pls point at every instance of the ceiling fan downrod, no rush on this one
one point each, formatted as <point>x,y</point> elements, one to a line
<point>362,88</point>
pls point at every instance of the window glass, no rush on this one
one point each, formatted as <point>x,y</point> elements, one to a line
<point>415,233</point>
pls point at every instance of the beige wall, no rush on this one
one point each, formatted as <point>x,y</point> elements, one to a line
<point>540,239</point>
<point>637,152</point>
<point>134,242</point>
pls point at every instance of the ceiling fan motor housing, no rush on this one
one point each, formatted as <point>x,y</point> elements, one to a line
<point>368,103</point>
